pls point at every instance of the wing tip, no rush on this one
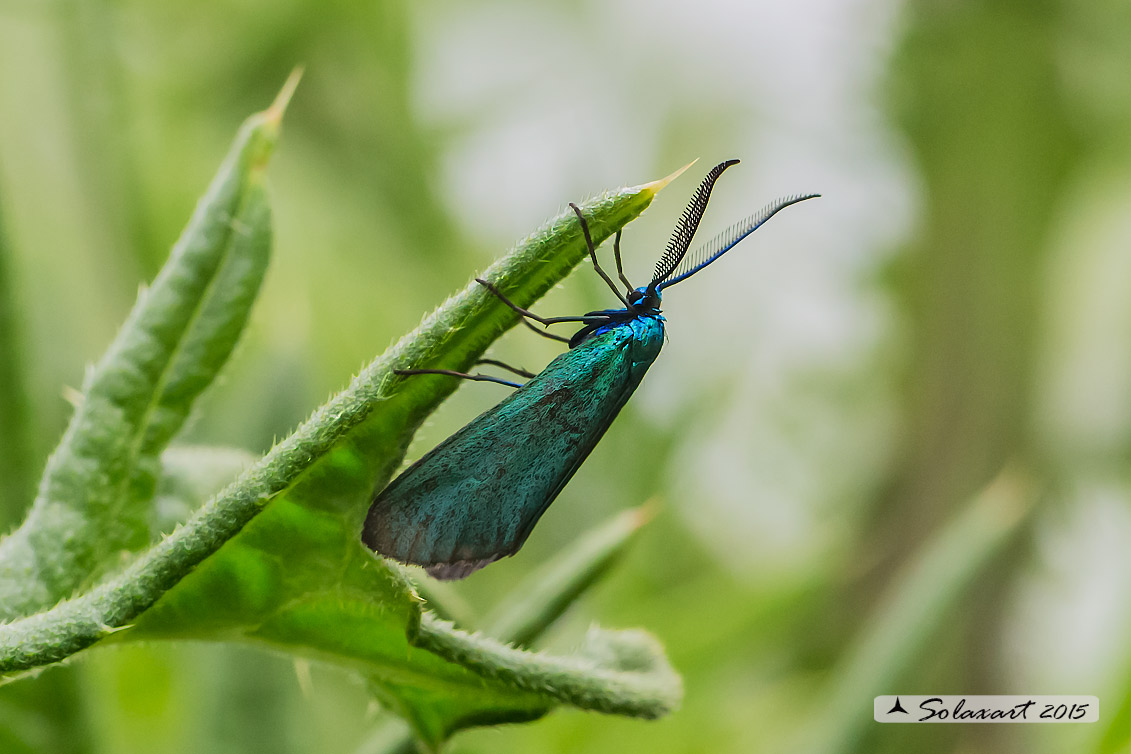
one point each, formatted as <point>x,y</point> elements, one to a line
<point>457,569</point>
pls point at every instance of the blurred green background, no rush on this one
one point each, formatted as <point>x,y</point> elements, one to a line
<point>830,400</point>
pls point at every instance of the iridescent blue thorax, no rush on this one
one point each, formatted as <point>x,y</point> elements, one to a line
<point>642,314</point>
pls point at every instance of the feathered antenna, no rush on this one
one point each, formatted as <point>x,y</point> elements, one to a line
<point>687,225</point>
<point>728,239</point>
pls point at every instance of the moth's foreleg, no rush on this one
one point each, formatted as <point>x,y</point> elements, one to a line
<point>543,333</point>
<point>531,315</point>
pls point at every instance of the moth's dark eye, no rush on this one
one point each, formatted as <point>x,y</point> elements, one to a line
<point>635,297</point>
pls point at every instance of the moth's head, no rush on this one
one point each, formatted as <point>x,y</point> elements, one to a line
<point>645,299</point>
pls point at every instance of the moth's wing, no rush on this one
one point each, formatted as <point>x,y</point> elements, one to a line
<point>476,496</point>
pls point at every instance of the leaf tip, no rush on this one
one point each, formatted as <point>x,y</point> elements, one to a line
<point>274,113</point>
<point>261,130</point>
<point>303,677</point>
<point>105,629</point>
<point>656,186</point>
<point>73,396</point>
<point>643,514</point>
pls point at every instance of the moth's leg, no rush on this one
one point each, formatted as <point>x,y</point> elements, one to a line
<point>620,270</point>
<point>543,333</point>
<point>461,375</point>
<point>593,255</point>
<point>527,313</point>
<point>506,366</point>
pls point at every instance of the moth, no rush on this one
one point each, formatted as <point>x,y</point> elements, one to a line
<point>476,496</point>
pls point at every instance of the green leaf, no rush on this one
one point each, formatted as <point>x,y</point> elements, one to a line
<point>617,672</point>
<point>297,576</point>
<point>95,497</point>
<point>275,558</point>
